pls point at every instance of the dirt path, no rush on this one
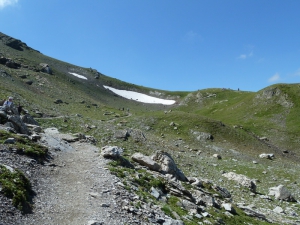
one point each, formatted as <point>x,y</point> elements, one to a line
<point>76,189</point>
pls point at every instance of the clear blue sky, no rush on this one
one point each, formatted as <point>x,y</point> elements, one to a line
<point>166,44</point>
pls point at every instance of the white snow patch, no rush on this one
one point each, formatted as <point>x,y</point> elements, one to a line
<point>79,76</point>
<point>140,97</point>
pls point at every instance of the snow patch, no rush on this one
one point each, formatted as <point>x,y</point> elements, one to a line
<point>140,97</point>
<point>79,76</point>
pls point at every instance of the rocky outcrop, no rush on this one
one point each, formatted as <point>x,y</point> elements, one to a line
<point>13,43</point>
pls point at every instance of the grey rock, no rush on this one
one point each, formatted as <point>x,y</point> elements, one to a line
<point>18,124</point>
<point>228,207</point>
<point>10,141</point>
<point>187,204</point>
<point>242,180</point>
<point>282,193</point>
<point>167,165</point>
<point>137,135</point>
<point>195,181</point>
<point>278,209</point>
<point>173,222</point>
<point>28,119</point>
<point>252,213</point>
<point>93,222</point>
<point>145,161</point>
<point>121,134</point>
<point>267,156</point>
<point>111,152</point>
<point>155,192</point>
<point>222,191</point>
<point>217,156</point>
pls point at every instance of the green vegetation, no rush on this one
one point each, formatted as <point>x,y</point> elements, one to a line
<point>16,186</point>
<point>25,146</point>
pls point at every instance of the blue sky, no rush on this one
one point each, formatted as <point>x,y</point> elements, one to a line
<point>172,45</point>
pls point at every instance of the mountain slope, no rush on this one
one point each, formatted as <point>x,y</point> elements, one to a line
<point>237,125</point>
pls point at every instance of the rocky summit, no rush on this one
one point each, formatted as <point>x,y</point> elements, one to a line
<point>73,151</point>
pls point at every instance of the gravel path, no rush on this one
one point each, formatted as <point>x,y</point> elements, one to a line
<point>76,189</point>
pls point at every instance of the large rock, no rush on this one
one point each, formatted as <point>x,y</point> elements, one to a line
<point>121,134</point>
<point>195,181</point>
<point>29,119</point>
<point>137,135</point>
<point>111,152</point>
<point>18,124</point>
<point>202,136</point>
<point>242,180</point>
<point>282,193</point>
<point>267,156</point>
<point>145,161</point>
<point>167,165</point>
<point>45,68</point>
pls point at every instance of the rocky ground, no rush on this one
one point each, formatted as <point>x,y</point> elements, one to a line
<point>73,187</point>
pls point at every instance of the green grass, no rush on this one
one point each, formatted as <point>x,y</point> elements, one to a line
<point>16,186</point>
<point>25,146</point>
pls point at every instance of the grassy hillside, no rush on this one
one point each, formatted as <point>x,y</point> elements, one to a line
<point>241,125</point>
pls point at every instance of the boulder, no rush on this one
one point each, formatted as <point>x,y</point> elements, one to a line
<point>217,156</point>
<point>282,193</point>
<point>266,156</point>
<point>121,134</point>
<point>29,119</point>
<point>195,181</point>
<point>202,136</point>
<point>45,68</point>
<point>137,135</point>
<point>19,125</point>
<point>10,141</point>
<point>167,165</point>
<point>111,152</point>
<point>228,207</point>
<point>155,192</point>
<point>242,180</point>
<point>145,161</point>
<point>278,209</point>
